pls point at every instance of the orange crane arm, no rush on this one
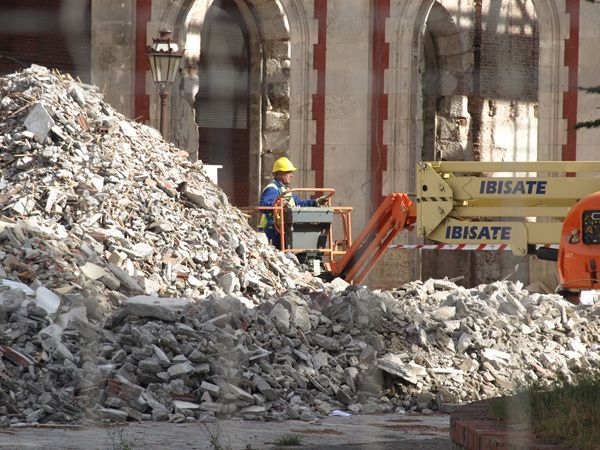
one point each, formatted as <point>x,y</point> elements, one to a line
<point>395,213</point>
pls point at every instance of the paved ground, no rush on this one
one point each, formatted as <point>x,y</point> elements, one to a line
<point>333,433</point>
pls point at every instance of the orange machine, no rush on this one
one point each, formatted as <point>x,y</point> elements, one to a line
<point>578,255</point>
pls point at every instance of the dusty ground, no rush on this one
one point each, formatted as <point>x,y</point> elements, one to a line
<point>376,432</point>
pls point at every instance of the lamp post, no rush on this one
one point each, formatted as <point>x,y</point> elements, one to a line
<point>164,58</point>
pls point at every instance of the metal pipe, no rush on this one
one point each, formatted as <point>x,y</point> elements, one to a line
<point>163,94</point>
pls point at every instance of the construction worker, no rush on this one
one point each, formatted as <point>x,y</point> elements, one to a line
<point>283,172</point>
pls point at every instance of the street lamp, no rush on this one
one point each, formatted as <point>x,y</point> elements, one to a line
<point>164,63</point>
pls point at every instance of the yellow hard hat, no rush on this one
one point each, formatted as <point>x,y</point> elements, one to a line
<point>283,165</point>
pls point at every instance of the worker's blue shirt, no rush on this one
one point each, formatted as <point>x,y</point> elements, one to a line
<point>267,198</point>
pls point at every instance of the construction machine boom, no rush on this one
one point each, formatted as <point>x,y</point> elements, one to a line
<point>395,213</point>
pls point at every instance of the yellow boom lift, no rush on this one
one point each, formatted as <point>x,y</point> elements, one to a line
<point>462,203</point>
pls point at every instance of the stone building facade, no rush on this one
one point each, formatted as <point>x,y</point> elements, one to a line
<point>357,91</point>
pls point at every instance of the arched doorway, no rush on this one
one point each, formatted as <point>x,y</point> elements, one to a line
<point>223,100</point>
<point>432,78</point>
<point>480,99</point>
<point>277,32</point>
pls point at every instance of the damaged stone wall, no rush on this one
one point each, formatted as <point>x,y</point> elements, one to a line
<point>447,70</point>
<point>277,106</point>
<point>486,106</point>
<point>486,54</point>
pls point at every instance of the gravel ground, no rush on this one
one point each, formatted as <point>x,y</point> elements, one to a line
<point>373,432</point>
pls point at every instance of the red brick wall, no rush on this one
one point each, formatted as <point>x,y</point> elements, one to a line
<point>318,106</point>
<point>570,99</point>
<point>380,62</point>
<point>32,32</point>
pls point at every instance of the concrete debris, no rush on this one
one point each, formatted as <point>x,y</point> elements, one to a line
<point>169,309</point>
<point>221,358</point>
<point>47,299</point>
<point>39,122</point>
<point>114,202</point>
<point>393,365</point>
<point>131,290</point>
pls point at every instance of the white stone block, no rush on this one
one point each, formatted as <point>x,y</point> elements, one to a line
<point>45,298</point>
<point>93,271</point>
<point>494,355</point>
<point>19,286</point>
<point>39,122</point>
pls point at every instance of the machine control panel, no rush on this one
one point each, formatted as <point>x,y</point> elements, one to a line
<point>591,226</point>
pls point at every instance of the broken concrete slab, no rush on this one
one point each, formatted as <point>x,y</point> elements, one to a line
<point>168,309</point>
<point>39,121</point>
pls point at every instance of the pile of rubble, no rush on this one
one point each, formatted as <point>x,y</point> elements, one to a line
<point>131,290</point>
<point>302,355</point>
<point>109,204</point>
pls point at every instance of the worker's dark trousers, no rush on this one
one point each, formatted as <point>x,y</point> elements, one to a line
<point>274,237</point>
